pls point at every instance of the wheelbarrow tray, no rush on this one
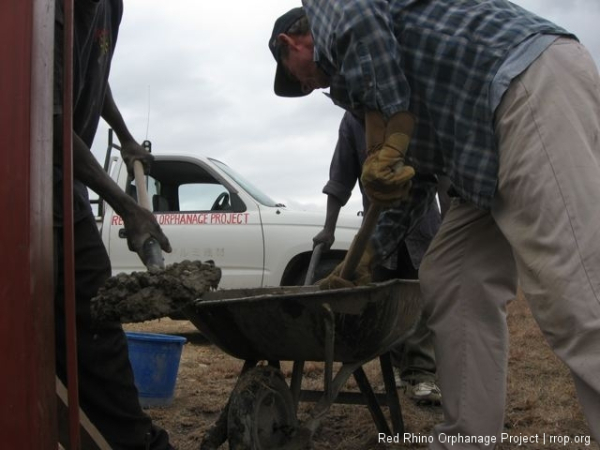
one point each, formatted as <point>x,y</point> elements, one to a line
<point>290,323</point>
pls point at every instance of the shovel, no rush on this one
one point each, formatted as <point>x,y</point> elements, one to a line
<point>356,250</point>
<point>376,133</point>
<point>151,251</point>
<point>153,294</point>
<point>360,241</point>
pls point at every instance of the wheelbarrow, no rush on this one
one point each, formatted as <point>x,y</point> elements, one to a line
<point>351,326</point>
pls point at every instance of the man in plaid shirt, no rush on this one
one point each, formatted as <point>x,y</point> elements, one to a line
<point>507,105</point>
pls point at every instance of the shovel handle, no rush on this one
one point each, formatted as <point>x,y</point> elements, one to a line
<point>152,253</point>
<point>140,185</point>
<point>360,242</point>
<point>377,131</point>
<point>312,265</point>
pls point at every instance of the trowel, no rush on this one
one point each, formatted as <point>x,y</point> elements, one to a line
<point>151,250</point>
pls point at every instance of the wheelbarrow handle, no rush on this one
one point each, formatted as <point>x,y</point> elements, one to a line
<point>360,242</point>
<point>312,265</point>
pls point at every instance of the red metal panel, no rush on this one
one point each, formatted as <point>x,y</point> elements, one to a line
<point>27,390</point>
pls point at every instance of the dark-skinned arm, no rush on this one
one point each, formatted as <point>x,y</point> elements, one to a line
<point>344,171</point>
<point>140,224</point>
<point>131,150</point>
<point>327,235</point>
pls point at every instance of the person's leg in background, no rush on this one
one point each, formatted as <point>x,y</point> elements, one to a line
<point>413,359</point>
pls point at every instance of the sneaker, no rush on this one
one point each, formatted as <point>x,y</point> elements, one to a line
<point>399,383</point>
<point>424,392</point>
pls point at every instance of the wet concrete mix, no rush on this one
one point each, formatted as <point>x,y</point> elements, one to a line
<point>157,293</point>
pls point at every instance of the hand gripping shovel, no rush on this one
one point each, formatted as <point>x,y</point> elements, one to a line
<point>376,132</point>
<point>375,129</point>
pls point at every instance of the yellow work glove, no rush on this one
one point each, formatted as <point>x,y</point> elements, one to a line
<point>385,177</point>
<point>360,277</point>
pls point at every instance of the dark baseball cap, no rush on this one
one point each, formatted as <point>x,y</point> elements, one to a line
<point>285,86</point>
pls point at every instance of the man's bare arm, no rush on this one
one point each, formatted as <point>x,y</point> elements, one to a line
<point>131,150</point>
<point>140,224</point>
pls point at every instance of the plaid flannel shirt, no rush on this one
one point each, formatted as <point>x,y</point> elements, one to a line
<point>435,58</point>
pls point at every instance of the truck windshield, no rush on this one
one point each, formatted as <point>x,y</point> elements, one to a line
<point>256,193</point>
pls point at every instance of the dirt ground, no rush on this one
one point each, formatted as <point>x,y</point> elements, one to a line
<point>541,397</point>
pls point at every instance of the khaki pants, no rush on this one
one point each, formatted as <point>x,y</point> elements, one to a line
<point>543,230</point>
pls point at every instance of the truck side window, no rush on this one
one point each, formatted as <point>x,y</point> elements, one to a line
<point>182,186</point>
<point>203,197</point>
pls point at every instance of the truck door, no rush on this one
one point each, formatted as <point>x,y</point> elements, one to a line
<point>205,218</point>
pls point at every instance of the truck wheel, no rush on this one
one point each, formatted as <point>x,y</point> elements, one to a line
<point>323,269</point>
<point>261,411</point>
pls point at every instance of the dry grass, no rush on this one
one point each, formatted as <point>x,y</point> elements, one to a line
<point>541,396</point>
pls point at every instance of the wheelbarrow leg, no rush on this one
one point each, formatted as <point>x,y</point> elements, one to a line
<point>296,382</point>
<point>393,401</point>
<point>323,405</point>
<point>371,401</point>
<point>217,433</point>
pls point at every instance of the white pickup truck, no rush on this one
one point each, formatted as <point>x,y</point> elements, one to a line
<point>210,212</point>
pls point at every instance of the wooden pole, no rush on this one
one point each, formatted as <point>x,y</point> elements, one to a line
<point>27,380</point>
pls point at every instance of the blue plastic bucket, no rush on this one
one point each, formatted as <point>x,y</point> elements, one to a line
<point>155,362</point>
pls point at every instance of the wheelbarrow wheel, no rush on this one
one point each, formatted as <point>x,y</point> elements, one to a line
<point>261,411</point>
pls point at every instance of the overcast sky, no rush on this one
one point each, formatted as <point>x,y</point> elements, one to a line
<point>197,76</point>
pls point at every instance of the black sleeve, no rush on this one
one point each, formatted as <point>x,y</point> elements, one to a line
<point>346,163</point>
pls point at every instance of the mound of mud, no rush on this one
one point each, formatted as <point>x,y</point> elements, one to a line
<point>142,296</point>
